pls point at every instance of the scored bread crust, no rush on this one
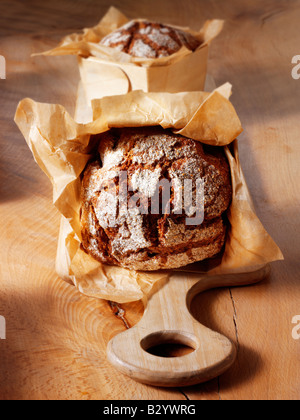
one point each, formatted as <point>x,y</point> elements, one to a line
<point>149,39</point>
<point>152,241</point>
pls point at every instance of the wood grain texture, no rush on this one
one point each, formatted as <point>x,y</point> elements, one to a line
<point>56,338</point>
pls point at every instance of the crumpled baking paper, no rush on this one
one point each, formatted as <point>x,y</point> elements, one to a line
<point>63,147</point>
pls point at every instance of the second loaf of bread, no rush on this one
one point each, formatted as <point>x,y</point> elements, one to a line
<point>149,39</point>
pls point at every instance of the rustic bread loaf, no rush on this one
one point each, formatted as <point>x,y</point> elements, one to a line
<point>134,237</point>
<point>149,40</point>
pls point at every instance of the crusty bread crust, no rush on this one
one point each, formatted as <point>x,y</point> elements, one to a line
<point>152,241</point>
<point>149,40</point>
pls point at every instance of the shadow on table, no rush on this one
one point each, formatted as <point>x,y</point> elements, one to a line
<point>20,176</point>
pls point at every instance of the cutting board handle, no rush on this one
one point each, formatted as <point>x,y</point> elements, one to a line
<point>167,319</point>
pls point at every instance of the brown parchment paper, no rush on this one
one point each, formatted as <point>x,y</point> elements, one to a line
<point>106,71</point>
<point>62,148</point>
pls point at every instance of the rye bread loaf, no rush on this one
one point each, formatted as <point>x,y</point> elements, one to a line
<point>149,40</point>
<point>136,238</point>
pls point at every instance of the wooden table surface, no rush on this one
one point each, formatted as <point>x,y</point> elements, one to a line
<point>55,337</point>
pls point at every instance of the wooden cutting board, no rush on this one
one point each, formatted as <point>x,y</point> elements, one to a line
<point>167,319</point>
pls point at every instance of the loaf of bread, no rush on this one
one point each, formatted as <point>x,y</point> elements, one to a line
<point>149,40</point>
<point>124,232</point>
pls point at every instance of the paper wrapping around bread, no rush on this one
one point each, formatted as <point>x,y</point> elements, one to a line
<point>106,71</point>
<point>62,148</point>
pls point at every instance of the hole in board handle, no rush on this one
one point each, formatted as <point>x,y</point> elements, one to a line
<point>169,343</point>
